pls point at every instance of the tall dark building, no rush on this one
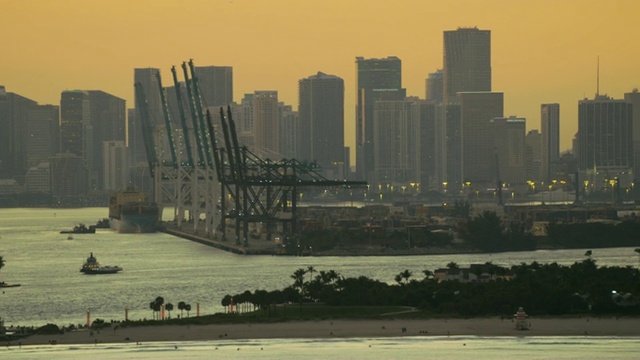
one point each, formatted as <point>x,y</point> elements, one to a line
<point>478,152</point>
<point>605,138</point>
<point>377,79</point>
<point>14,115</point>
<point>550,129</point>
<point>216,85</point>
<point>467,61</point>
<point>108,120</point>
<point>321,112</point>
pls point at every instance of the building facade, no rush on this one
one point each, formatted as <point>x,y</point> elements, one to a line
<point>321,112</point>
<point>216,85</point>
<point>605,139</point>
<point>376,79</point>
<point>467,61</point>
<point>550,129</point>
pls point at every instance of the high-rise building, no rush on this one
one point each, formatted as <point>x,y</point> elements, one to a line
<point>605,139</point>
<point>633,98</point>
<point>376,79</point>
<point>478,152</point>
<point>321,112</point>
<point>216,85</point>
<point>550,128</point>
<point>266,123</point>
<point>14,115</point>
<point>426,112</point>
<point>435,86</point>
<point>108,120</point>
<point>509,148</point>
<point>397,139</point>
<point>467,61</point>
<point>289,131</point>
<point>44,129</point>
<point>76,130</point>
<point>533,156</point>
<point>115,165</point>
<point>69,176</point>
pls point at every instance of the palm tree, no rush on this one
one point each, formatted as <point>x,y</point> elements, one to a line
<point>226,301</point>
<point>169,307</point>
<point>311,270</point>
<point>406,275</point>
<point>1,262</point>
<point>588,254</point>
<point>298,279</point>
<point>181,306</point>
<point>187,307</point>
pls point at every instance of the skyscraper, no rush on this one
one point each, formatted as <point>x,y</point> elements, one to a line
<point>509,144</point>
<point>377,79</point>
<point>108,120</point>
<point>478,152</point>
<point>266,122</point>
<point>397,150</point>
<point>605,138</point>
<point>467,61</point>
<point>550,128</point>
<point>321,112</point>
<point>14,113</point>
<point>216,85</point>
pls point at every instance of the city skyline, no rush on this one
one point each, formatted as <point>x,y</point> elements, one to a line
<point>546,53</point>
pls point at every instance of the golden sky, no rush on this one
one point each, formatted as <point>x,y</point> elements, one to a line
<point>542,51</point>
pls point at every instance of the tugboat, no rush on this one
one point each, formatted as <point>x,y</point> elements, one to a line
<point>93,267</point>
<point>80,229</point>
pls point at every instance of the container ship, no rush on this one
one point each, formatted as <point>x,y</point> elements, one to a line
<point>130,211</point>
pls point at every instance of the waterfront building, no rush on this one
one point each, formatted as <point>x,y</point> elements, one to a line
<point>376,79</point>
<point>14,132</point>
<point>115,165</point>
<point>38,178</point>
<point>69,176</point>
<point>321,111</point>
<point>550,128</point>
<point>43,131</point>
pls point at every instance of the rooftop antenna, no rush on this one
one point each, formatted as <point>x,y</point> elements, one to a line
<point>598,78</point>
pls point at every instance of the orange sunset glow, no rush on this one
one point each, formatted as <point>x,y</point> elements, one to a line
<point>542,51</point>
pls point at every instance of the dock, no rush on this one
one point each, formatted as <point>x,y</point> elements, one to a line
<point>256,246</point>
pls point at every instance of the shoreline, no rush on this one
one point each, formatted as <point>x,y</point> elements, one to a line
<point>326,329</point>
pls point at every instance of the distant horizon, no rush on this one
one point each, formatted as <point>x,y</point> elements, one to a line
<point>542,53</point>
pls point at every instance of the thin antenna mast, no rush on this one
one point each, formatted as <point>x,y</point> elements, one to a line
<point>598,78</point>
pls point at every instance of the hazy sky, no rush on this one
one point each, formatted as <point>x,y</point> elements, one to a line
<point>542,51</point>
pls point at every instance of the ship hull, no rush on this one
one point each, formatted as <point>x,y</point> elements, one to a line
<point>139,223</point>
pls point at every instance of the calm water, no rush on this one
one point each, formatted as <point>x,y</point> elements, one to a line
<point>54,291</point>
<point>358,348</point>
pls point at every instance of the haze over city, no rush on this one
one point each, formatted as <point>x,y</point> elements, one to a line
<point>542,52</point>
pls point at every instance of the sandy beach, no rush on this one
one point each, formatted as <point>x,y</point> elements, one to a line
<point>589,326</point>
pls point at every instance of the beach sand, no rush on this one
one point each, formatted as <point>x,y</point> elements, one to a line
<point>583,326</point>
